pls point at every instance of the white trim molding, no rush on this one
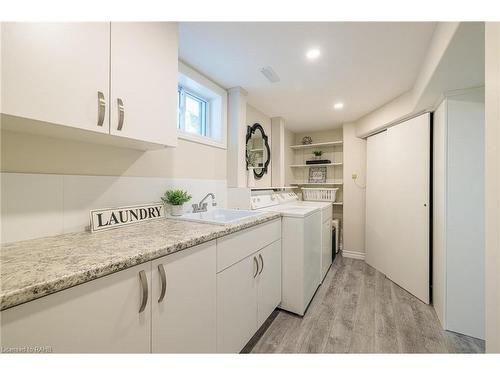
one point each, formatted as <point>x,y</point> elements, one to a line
<point>216,97</point>
<point>353,254</point>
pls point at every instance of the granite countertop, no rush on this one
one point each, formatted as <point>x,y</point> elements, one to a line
<point>35,268</point>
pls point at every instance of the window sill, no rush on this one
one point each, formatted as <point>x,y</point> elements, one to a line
<point>201,140</point>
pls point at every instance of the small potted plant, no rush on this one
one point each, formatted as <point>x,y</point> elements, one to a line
<point>176,200</point>
<point>317,154</point>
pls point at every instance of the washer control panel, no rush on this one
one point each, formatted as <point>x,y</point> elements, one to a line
<point>273,199</point>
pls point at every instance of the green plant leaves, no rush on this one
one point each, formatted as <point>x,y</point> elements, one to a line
<point>176,197</point>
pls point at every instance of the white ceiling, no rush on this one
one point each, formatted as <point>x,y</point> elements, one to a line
<point>363,65</point>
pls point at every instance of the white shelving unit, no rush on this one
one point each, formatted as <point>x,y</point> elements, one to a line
<point>320,144</point>
<point>314,165</point>
<point>333,151</point>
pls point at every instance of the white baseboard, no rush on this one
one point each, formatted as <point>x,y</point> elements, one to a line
<point>353,254</point>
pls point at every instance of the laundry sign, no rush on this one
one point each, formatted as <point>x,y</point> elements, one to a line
<point>108,218</point>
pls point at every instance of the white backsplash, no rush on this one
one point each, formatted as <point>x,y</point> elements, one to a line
<point>39,205</point>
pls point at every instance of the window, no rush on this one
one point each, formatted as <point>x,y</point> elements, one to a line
<point>192,113</point>
<point>202,109</point>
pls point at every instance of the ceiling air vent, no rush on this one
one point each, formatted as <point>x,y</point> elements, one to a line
<point>270,74</point>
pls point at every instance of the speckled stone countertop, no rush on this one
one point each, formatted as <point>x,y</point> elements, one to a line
<point>35,268</point>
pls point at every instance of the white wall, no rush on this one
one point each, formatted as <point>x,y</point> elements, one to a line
<point>465,216</point>
<point>40,205</point>
<point>458,213</point>
<point>492,197</point>
<point>454,60</point>
<point>48,185</point>
<point>439,213</point>
<point>237,129</point>
<point>289,140</point>
<point>354,192</point>
<point>278,152</point>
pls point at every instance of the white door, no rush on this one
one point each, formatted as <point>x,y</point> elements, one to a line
<point>237,305</point>
<point>183,301</point>
<point>269,281</point>
<point>408,181</point>
<point>397,204</point>
<point>376,202</point>
<point>54,72</point>
<point>101,316</point>
<point>144,78</point>
<point>326,244</point>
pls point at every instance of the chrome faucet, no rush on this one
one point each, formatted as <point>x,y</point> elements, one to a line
<point>202,206</point>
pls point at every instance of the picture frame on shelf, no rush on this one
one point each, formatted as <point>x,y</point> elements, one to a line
<point>317,175</point>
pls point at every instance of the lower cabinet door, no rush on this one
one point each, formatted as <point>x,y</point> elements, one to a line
<point>100,316</point>
<point>237,305</point>
<point>183,301</point>
<point>269,281</point>
<point>326,251</point>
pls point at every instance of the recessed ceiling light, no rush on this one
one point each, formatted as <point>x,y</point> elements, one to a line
<point>313,54</point>
<point>338,106</point>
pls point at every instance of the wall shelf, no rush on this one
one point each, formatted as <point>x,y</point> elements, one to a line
<point>314,165</point>
<point>322,144</point>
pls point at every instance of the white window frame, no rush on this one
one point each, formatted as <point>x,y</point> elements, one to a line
<point>181,122</point>
<point>215,97</point>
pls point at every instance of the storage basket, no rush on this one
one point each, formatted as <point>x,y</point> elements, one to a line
<point>319,194</point>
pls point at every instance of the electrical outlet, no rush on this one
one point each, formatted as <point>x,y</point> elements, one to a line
<point>354,176</point>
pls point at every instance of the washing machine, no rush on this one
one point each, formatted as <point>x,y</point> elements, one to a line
<point>300,248</point>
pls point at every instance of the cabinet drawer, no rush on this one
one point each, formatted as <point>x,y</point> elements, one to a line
<point>239,245</point>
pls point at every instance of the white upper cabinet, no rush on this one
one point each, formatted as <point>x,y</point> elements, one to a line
<point>118,79</point>
<point>53,72</point>
<point>144,72</point>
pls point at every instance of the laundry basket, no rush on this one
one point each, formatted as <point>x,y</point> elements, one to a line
<point>319,194</point>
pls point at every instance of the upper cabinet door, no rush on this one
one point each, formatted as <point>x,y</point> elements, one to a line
<point>53,72</point>
<point>144,81</point>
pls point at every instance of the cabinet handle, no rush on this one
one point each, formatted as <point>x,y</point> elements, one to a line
<point>121,113</point>
<point>144,287</point>
<point>101,108</point>
<point>257,264</point>
<point>262,262</point>
<point>163,277</point>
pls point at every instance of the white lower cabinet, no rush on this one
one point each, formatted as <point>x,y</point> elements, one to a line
<point>183,301</point>
<point>247,293</point>
<point>174,304</point>
<point>269,281</point>
<point>236,305</point>
<point>100,316</point>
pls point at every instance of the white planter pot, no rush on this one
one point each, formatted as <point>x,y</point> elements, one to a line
<point>176,210</point>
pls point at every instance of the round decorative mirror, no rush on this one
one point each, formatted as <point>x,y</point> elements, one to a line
<point>258,151</point>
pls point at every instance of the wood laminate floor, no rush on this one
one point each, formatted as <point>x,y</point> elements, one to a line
<point>358,310</point>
